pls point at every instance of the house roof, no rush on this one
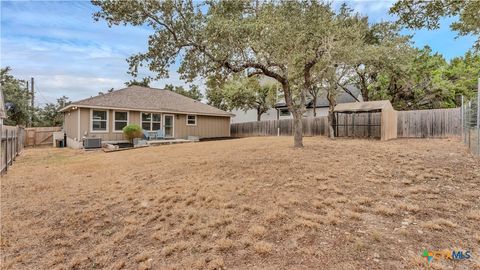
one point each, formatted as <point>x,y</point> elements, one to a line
<point>364,106</point>
<point>322,101</point>
<point>3,114</point>
<point>148,99</point>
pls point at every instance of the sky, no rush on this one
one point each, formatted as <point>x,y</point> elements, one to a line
<point>68,53</point>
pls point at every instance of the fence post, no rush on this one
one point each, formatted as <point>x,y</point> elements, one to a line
<point>1,148</point>
<point>478,117</point>
<point>6,149</point>
<point>462,112</point>
<point>14,145</point>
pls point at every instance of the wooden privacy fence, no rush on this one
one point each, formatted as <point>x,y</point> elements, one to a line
<point>40,135</point>
<point>437,123</point>
<point>11,145</point>
<point>312,126</point>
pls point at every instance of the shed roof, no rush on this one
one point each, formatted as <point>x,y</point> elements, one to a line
<point>3,114</point>
<point>146,98</point>
<point>364,106</point>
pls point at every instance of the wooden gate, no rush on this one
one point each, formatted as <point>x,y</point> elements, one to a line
<point>40,135</point>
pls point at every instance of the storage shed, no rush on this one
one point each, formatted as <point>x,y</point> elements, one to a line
<point>371,119</point>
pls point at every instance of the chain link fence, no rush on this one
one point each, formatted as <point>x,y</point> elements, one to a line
<point>471,123</point>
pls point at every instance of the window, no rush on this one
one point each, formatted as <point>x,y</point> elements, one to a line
<point>284,112</point>
<point>99,120</point>
<point>121,120</point>
<point>191,120</point>
<point>151,121</point>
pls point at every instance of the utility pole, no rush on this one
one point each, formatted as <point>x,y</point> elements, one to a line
<point>33,102</point>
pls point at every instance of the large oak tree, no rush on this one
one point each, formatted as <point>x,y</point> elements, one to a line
<point>284,40</point>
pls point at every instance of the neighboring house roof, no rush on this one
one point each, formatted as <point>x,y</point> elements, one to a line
<point>3,114</point>
<point>322,101</point>
<point>364,106</point>
<point>150,99</point>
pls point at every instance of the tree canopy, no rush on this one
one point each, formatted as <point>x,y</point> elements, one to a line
<point>285,40</point>
<point>249,94</point>
<point>17,99</point>
<point>427,14</point>
<point>145,82</point>
<point>49,115</point>
<point>193,92</point>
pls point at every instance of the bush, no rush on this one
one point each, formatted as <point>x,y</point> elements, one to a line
<point>132,131</point>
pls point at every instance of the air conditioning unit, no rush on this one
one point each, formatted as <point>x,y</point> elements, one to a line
<point>89,143</point>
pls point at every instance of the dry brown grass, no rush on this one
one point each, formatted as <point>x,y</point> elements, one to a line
<point>439,224</point>
<point>252,203</point>
<point>257,231</point>
<point>385,210</point>
<point>263,248</point>
<point>408,207</point>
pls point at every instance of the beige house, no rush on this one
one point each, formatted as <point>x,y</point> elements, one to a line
<point>105,115</point>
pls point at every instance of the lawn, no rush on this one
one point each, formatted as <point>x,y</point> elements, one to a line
<point>253,203</point>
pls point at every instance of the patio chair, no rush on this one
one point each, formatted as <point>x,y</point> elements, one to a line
<point>160,134</point>
<point>146,135</point>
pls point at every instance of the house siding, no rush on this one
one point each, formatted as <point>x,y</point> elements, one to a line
<point>70,125</point>
<point>206,127</point>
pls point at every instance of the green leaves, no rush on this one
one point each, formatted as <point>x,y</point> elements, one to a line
<point>427,14</point>
<point>193,92</point>
<point>17,96</point>
<point>132,131</point>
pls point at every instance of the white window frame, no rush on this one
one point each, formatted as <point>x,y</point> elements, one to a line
<point>91,121</point>
<point>115,120</point>
<point>187,119</point>
<point>151,120</point>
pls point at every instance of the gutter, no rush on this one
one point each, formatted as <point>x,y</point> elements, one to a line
<point>75,106</point>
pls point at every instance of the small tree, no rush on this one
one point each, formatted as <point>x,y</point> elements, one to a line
<point>132,131</point>
<point>249,93</point>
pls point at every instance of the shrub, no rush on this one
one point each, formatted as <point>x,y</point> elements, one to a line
<point>132,131</point>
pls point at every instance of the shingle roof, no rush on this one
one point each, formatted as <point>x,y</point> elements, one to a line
<point>2,106</point>
<point>364,106</point>
<point>152,99</point>
<point>322,101</point>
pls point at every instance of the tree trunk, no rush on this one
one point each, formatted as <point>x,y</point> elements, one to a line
<point>297,113</point>
<point>297,130</point>
<point>331,115</point>
<point>259,114</point>
<point>331,122</point>
<point>314,106</point>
